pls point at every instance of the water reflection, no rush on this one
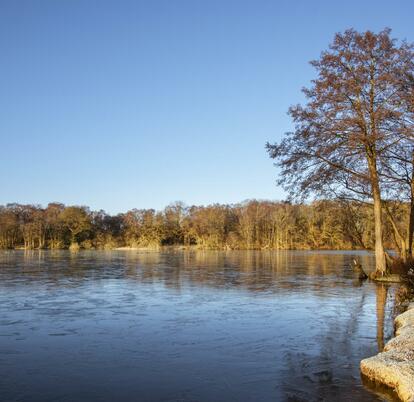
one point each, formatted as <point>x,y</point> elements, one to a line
<point>187,325</point>
<point>253,270</point>
<point>381,292</point>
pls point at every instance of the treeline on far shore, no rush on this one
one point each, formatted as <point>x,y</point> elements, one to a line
<point>326,224</point>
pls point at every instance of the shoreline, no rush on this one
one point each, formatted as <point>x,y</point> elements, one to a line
<point>198,247</point>
<point>394,366</point>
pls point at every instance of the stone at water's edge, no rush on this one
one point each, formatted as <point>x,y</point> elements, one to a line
<point>394,367</point>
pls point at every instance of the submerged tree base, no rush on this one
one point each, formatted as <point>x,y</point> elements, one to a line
<point>393,278</point>
<point>394,367</point>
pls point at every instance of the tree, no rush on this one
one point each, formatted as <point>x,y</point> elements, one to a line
<point>353,118</point>
<point>54,225</point>
<point>173,219</point>
<point>9,227</point>
<point>398,179</point>
<point>76,220</point>
<point>32,227</point>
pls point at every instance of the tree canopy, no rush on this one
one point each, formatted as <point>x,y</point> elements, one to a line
<point>357,118</point>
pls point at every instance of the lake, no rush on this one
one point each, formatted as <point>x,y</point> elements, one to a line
<point>187,326</point>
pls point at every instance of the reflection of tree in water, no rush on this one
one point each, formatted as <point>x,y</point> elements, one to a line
<point>252,270</point>
<point>319,375</point>
<point>381,292</point>
<point>315,372</point>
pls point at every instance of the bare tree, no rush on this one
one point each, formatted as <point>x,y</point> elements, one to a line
<point>353,117</point>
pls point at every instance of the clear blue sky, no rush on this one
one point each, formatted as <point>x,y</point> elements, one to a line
<point>121,104</point>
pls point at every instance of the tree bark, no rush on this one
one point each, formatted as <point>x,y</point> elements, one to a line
<point>400,239</point>
<point>380,261</point>
<point>411,222</point>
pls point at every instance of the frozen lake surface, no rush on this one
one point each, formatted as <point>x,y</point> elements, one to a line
<point>186,326</point>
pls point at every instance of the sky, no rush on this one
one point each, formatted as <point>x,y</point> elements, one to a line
<point>127,104</point>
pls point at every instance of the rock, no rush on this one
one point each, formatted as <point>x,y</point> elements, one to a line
<point>394,367</point>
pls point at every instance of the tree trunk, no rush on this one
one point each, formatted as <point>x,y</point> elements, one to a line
<point>411,223</point>
<point>400,239</point>
<point>380,262</point>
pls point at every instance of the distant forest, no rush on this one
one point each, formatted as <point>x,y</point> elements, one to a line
<point>325,224</point>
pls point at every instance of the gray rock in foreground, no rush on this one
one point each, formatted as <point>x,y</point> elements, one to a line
<point>394,367</point>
